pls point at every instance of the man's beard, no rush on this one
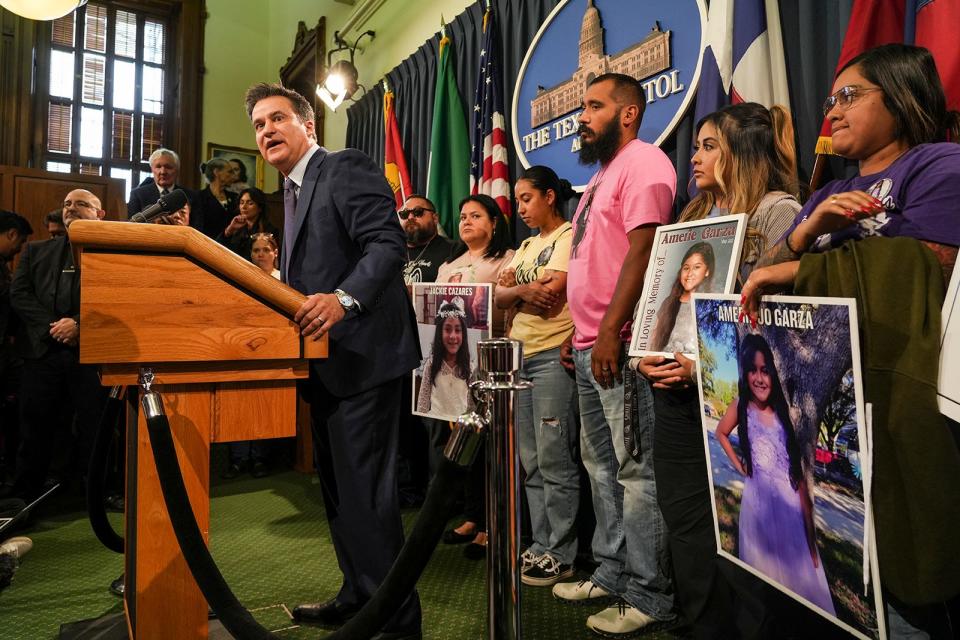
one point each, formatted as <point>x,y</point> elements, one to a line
<point>604,145</point>
<point>420,236</point>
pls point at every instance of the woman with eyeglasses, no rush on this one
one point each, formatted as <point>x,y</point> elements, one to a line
<point>251,220</point>
<point>534,287</point>
<point>888,113</point>
<point>482,253</point>
<point>888,237</point>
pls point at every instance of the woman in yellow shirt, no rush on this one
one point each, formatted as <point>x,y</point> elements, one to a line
<point>533,286</point>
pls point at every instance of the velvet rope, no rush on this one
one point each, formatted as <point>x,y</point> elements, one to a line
<point>395,588</point>
<point>97,476</point>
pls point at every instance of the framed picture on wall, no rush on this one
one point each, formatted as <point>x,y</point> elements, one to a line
<point>251,160</point>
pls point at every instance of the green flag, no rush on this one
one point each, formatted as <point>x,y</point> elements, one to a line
<point>448,173</point>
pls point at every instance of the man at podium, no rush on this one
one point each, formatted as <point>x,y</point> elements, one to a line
<point>344,249</point>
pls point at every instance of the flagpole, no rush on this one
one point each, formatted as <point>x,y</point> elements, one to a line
<point>819,162</point>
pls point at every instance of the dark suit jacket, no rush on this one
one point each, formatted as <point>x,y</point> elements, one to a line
<point>33,291</point>
<point>347,236</point>
<point>216,217</point>
<point>148,194</point>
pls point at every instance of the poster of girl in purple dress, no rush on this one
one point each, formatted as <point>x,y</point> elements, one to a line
<point>788,450</point>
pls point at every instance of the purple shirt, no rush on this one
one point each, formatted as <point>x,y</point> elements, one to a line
<point>920,192</point>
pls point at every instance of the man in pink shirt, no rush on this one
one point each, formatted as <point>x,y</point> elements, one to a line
<point>625,200</point>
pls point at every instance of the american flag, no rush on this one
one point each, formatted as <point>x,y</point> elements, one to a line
<point>488,157</point>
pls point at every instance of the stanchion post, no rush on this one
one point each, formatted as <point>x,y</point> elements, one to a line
<point>500,362</point>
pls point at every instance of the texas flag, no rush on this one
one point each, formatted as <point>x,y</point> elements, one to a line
<point>743,60</point>
<point>933,24</point>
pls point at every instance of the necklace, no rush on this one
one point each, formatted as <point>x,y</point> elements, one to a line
<point>419,255</point>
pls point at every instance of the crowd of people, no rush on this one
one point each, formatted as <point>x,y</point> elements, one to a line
<point>568,293</point>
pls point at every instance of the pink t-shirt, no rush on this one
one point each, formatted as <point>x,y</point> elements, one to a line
<point>636,188</point>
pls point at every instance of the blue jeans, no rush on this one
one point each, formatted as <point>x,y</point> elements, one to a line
<point>630,540</point>
<point>548,444</point>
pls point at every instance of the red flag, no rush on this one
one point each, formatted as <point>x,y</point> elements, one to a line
<point>872,23</point>
<point>934,32</point>
<point>395,165</point>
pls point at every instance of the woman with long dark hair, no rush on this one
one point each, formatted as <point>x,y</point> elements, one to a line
<point>777,535</point>
<point>251,220</point>
<point>888,112</point>
<point>534,286</point>
<point>481,254</point>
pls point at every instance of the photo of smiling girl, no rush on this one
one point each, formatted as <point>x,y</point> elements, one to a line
<point>447,369</point>
<point>777,534</point>
<point>675,330</point>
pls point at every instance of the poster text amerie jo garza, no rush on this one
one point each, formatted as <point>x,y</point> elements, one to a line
<point>778,317</point>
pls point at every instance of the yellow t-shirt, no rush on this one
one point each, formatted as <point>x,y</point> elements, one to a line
<point>535,256</point>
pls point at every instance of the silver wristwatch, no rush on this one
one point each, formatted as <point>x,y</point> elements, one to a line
<point>347,301</point>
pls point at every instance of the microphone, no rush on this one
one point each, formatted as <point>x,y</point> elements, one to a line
<point>170,203</point>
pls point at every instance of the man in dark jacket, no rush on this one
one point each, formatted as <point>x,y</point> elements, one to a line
<point>45,294</point>
<point>165,167</point>
<point>343,247</point>
<point>14,230</point>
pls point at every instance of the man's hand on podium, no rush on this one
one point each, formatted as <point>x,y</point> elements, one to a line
<point>318,314</point>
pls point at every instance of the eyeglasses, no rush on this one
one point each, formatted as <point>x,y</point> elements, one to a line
<point>416,212</point>
<point>845,96</point>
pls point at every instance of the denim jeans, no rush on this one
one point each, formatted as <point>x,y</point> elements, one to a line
<point>630,540</point>
<point>548,442</point>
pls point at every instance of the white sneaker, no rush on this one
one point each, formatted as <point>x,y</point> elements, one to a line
<point>528,559</point>
<point>17,547</point>
<point>623,621</point>
<point>579,593</point>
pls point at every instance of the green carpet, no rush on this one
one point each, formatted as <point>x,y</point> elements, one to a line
<point>272,543</point>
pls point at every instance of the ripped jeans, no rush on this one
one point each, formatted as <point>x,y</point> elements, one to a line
<point>548,439</point>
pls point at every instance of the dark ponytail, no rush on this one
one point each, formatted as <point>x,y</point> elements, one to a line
<point>545,179</point>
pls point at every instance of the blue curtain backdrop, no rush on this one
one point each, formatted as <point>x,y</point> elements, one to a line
<point>813,35</point>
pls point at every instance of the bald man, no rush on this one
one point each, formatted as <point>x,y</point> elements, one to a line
<point>45,294</point>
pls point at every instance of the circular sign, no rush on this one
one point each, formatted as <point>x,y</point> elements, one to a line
<point>660,43</point>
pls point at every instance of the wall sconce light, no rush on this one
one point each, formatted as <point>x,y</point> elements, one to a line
<point>341,81</point>
<point>42,9</point>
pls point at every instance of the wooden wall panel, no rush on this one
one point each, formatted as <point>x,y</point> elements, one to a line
<point>20,38</point>
<point>33,193</point>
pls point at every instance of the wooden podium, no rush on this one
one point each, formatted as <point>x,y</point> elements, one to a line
<point>219,336</point>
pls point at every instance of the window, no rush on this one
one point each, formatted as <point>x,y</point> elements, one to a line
<point>106,113</point>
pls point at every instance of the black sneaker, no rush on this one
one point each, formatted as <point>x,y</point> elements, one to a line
<point>545,572</point>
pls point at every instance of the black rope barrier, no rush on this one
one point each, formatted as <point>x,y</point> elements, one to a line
<point>395,588</point>
<point>97,473</point>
